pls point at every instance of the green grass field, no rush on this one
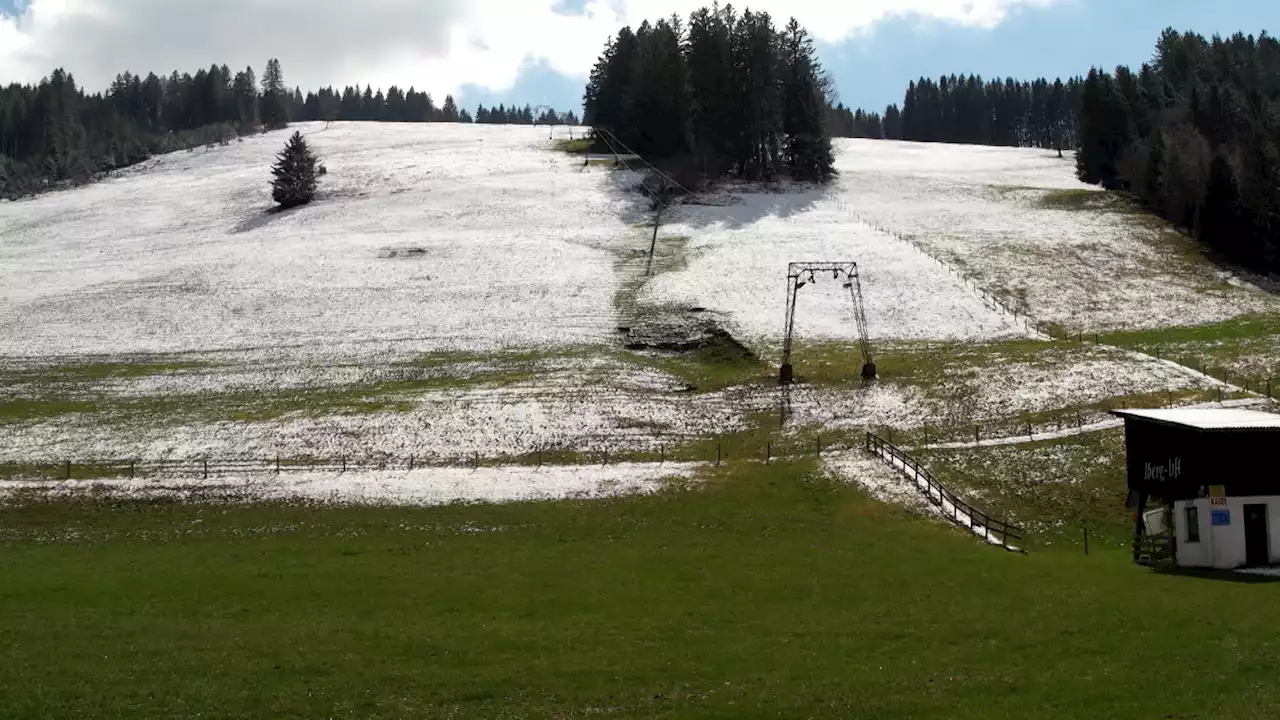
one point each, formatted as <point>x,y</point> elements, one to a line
<point>766,591</point>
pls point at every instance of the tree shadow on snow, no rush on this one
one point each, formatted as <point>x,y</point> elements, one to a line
<point>734,203</point>
<point>276,213</point>
<point>263,219</point>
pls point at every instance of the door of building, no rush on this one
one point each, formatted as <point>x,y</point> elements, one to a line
<point>1257,543</point>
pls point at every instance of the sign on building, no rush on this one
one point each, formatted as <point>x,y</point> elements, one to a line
<point>1217,495</point>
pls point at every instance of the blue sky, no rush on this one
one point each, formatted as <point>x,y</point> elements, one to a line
<point>470,46</point>
<point>1063,39</point>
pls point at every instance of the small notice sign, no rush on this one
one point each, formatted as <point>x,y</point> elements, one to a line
<point>1218,501</point>
<point>1220,517</point>
<point>1217,491</point>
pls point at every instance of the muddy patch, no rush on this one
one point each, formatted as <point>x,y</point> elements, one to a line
<point>404,253</point>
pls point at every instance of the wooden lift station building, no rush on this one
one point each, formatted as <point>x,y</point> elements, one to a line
<point>1206,483</point>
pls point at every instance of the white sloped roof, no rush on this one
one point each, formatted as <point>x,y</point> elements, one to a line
<point>1208,418</point>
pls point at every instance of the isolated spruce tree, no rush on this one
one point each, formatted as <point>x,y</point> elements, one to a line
<point>294,174</point>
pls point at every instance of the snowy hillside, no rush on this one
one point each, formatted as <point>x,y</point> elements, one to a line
<point>424,237</point>
<point>1019,222</point>
<point>463,291</point>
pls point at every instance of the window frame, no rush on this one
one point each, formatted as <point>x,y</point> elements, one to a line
<point>1191,514</point>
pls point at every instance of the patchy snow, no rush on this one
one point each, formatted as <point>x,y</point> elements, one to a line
<point>877,478</point>
<point>880,404</point>
<point>1057,379</point>
<point>1092,427</point>
<point>889,480</point>
<point>1260,571</point>
<point>428,486</point>
<point>445,425</point>
<point>424,237</point>
<point>979,209</point>
<point>943,505</point>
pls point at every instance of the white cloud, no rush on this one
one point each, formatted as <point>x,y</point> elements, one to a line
<point>434,44</point>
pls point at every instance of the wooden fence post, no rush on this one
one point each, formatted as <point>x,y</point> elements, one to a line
<point>662,454</point>
<point>130,468</point>
<point>277,464</point>
<point>1086,537</point>
<point>206,468</point>
<point>68,469</point>
<point>719,452</point>
<point>768,451</point>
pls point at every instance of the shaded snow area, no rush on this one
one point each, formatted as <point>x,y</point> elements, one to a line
<point>737,265</point>
<point>423,237</point>
<point>984,211</point>
<point>431,486</point>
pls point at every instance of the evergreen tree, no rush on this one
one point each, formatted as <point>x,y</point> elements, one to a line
<point>728,93</point>
<point>809,154</point>
<point>449,111</point>
<point>245,90</point>
<point>892,123</point>
<point>294,175</point>
<point>713,119</point>
<point>273,109</point>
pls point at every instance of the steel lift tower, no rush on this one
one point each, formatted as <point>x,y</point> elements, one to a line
<point>800,274</point>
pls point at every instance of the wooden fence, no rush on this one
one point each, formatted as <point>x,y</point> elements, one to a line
<point>952,506</point>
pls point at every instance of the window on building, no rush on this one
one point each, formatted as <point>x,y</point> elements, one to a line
<point>1193,524</point>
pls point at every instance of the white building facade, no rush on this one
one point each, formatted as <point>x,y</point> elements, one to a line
<point>1216,471</point>
<point>1224,535</point>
